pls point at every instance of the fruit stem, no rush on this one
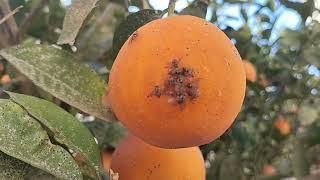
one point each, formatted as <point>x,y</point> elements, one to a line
<point>171,7</point>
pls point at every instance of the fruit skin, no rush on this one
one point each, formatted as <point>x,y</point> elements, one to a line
<point>251,72</point>
<point>283,126</point>
<point>106,158</point>
<point>137,160</point>
<point>269,170</point>
<point>5,79</point>
<point>142,64</point>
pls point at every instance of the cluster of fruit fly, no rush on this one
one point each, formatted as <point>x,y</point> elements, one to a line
<point>180,84</point>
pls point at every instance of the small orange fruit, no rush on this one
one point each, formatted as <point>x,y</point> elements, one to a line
<point>177,82</point>
<point>269,170</point>
<point>5,79</point>
<point>251,72</point>
<point>282,125</point>
<point>136,160</point>
<point>106,159</point>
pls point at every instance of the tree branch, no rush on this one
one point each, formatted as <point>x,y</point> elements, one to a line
<point>11,22</point>
<point>7,16</point>
<point>171,7</point>
<point>145,4</point>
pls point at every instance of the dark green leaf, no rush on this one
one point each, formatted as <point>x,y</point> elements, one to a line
<point>22,137</point>
<point>312,56</point>
<point>264,18</point>
<point>198,8</point>
<point>107,134</point>
<point>65,129</point>
<point>130,25</point>
<point>14,169</point>
<point>11,168</point>
<point>244,14</point>
<point>299,160</point>
<point>56,72</point>
<point>271,5</point>
<point>231,168</point>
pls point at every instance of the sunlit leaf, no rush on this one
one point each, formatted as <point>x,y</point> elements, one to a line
<point>56,72</point>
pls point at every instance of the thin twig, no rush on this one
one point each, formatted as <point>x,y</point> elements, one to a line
<point>11,22</point>
<point>126,4</point>
<point>171,7</point>
<point>33,14</point>
<point>7,16</point>
<point>145,4</point>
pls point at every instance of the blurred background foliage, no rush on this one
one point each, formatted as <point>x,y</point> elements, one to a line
<point>277,133</point>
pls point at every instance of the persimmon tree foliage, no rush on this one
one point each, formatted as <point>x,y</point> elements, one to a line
<point>56,122</point>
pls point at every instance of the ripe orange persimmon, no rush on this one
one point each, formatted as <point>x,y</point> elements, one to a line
<point>251,72</point>
<point>137,160</point>
<point>106,159</point>
<point>177,82</point>
<point>269,170</point>
<point>283,126</point>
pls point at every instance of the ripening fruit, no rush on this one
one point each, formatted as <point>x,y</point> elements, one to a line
<point>269,170</point>
<point>5,79</point>
<point>1,67</point>
<point>106,159</point>
<point>251,72</point>
<point>177,82</point>
<point>283,126</point>
<point>137,160</point>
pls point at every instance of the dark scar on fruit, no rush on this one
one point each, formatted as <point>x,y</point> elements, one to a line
<point>134,36</point>
<point>180,84</point>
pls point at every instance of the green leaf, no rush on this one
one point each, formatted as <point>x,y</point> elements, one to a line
<point>11,168</point>
<point>291,39</point>
<point>14,169</point>
<point>240,135</point>
<point>65,129</point>
<point>75,16</point>
<point>244,14</point>
<point>56,72</point>
<point>271,5</point>
<point>299,160</point>
<point>130,25</point>
<point>107,134</point>
<point>198,8</point>
<point>22,137</point>
<point>308,114</point>
<point>312,55</point>
<point>231,168</point>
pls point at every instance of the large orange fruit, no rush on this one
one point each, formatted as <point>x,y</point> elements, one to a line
<point>251,72</point>
<point>177,82</point>
<point>137,160</point>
